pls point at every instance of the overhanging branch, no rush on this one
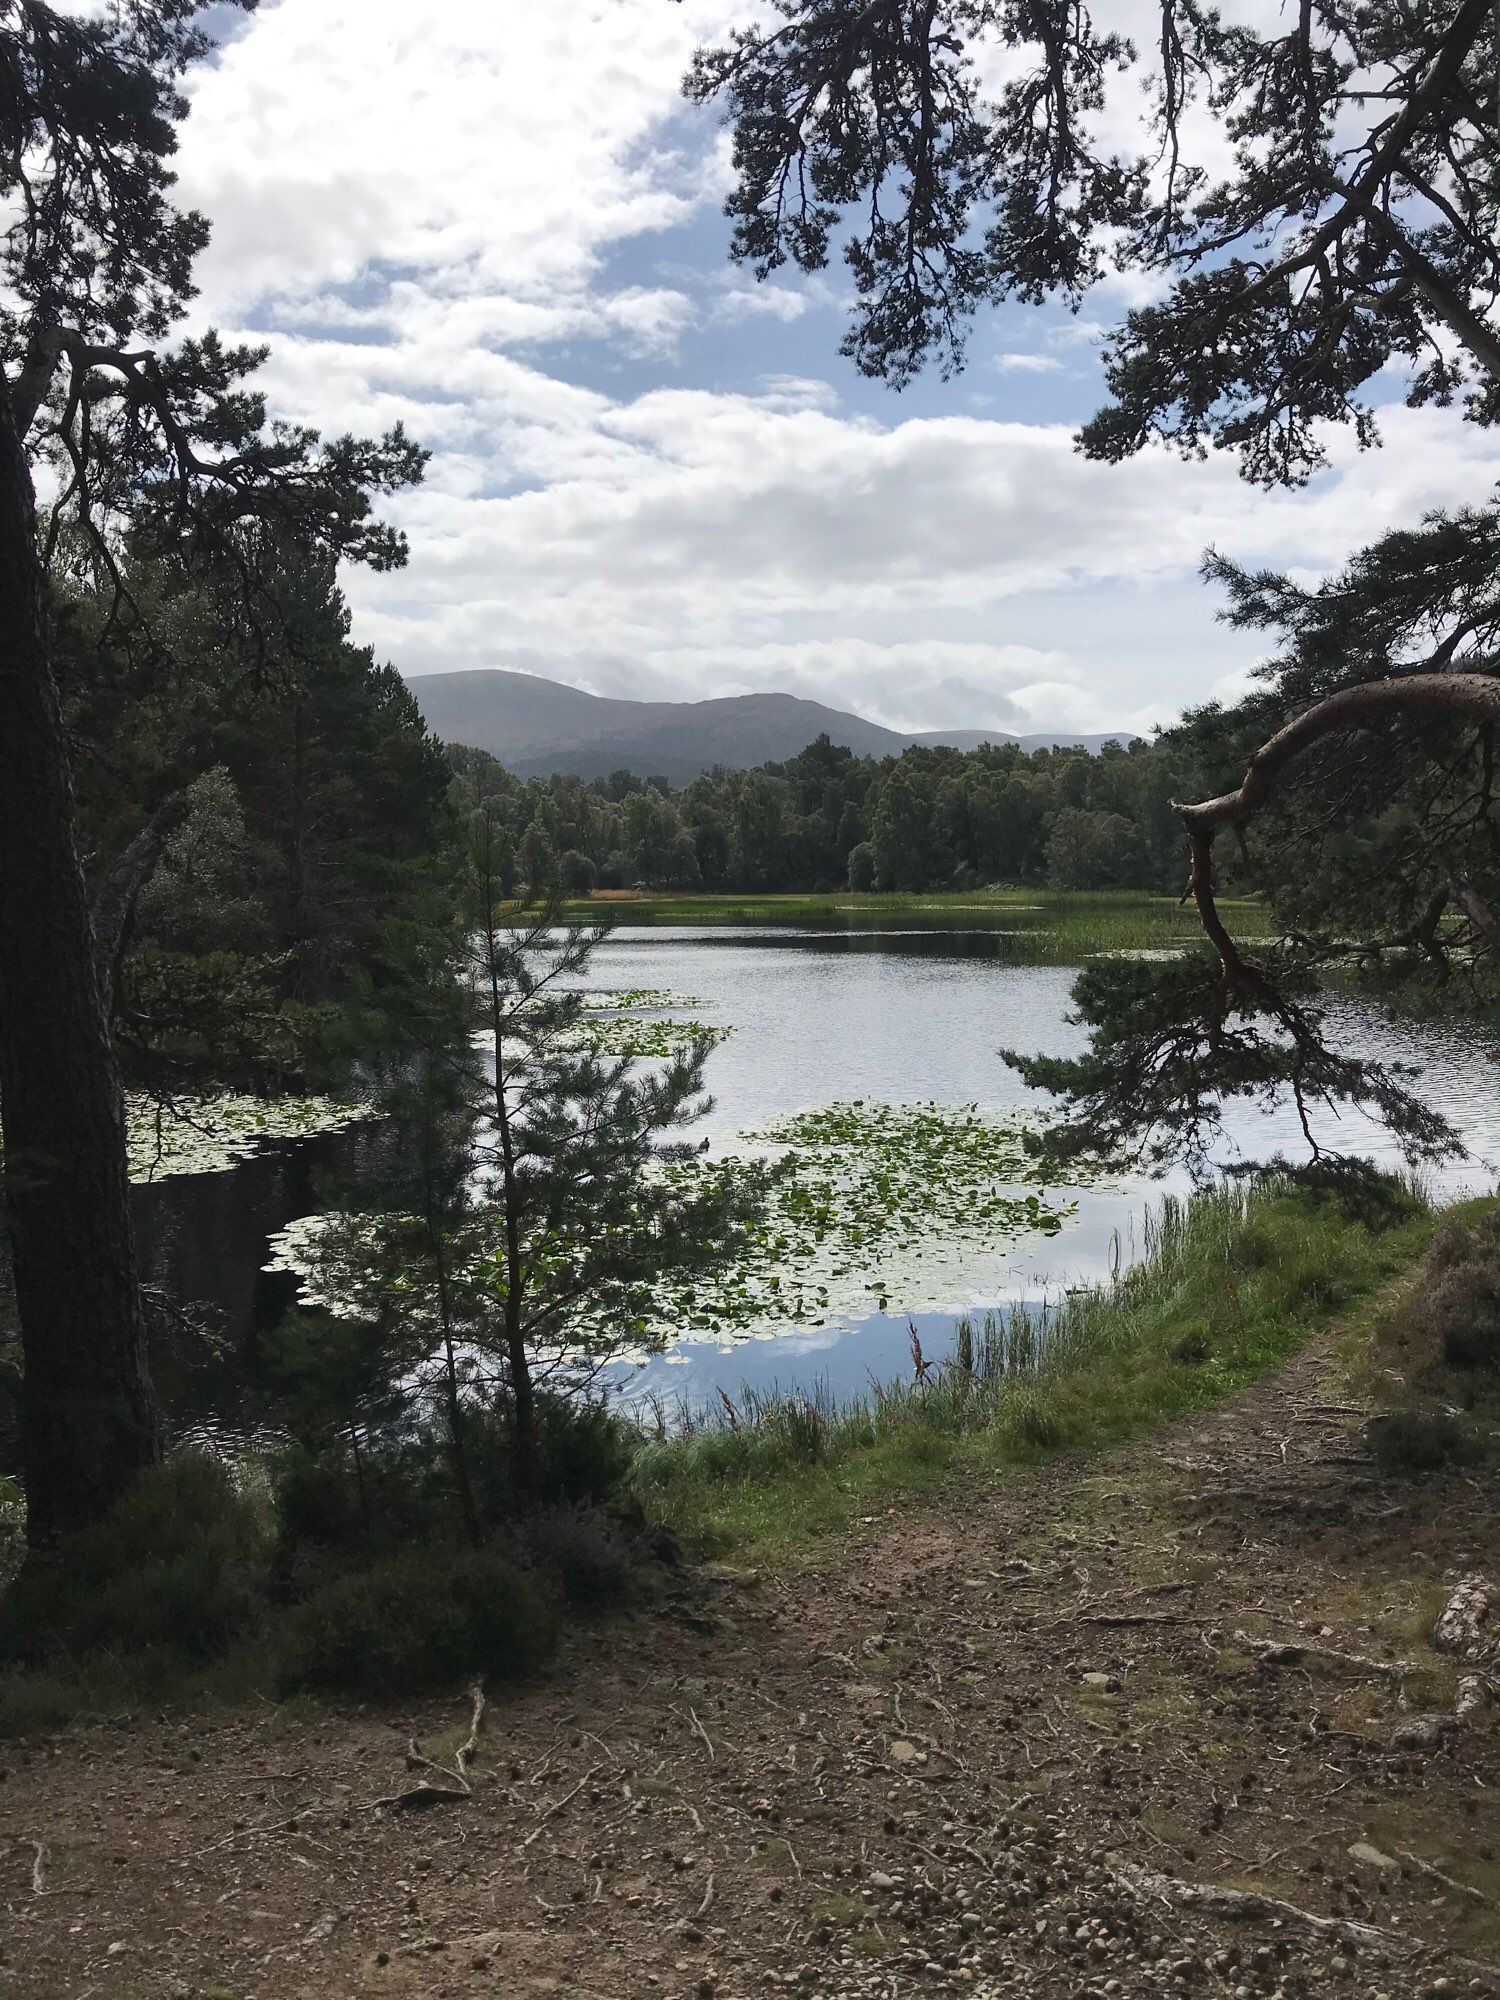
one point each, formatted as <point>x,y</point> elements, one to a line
<point>1470,697</point>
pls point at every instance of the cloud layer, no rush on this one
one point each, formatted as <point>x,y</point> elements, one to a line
<point>475,220</point>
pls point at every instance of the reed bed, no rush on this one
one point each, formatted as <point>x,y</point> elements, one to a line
<point>1037,926</point>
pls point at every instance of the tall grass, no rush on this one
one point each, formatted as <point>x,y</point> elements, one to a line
<point>1231,1282</point>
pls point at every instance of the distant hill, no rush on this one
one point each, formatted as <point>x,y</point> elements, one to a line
<point>536,727</point>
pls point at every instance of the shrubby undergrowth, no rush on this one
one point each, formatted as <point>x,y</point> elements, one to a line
<point>326,1571</point>
<point>1434,1358</point>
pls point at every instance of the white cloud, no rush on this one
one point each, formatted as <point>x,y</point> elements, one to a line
<point>423,207</point>
<point>476,152</point>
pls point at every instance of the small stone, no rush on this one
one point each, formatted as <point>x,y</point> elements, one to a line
<point>1421,1732</point>
<point>1369,1856</point>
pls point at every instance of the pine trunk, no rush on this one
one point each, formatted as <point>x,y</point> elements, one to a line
<point>88,1419</point>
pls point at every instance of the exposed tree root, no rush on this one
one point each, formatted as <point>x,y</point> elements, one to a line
<point>1463,1628</point>
<point>1280,1653</point>
<point>1244,1905</point>
<point>1463,1625</point>
<point>455,1781</point>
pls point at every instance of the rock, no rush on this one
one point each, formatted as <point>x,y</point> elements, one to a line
<point>1369,1856</point>
<point>903,1752</point>
<point>1461,1626</point>
<point>1110,1683</point>
<point>1422,1732</point>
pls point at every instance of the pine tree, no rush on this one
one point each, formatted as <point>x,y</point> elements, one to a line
<point>97,267</point>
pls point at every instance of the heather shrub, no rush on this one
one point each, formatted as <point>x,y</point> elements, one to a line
<point>427,1618</point>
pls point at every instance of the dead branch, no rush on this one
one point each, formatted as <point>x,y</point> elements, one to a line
<point>558,1804</point>
<point>468,1750</point>
<point>455,1781</point>
<point>1448,1881</point>
<point>699,1730</point>
<point>1276,1653</point>
<point>1241,1905</point>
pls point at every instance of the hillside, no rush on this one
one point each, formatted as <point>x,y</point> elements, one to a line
<point>537,726</point>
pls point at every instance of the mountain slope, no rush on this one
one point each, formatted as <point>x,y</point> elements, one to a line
<point>536,727</point>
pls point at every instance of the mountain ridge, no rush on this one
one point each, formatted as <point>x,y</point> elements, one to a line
<point>538,727</point>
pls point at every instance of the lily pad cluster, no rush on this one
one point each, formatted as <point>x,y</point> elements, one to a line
<point>636,1000</point>
<point>643,1040</point>
<point>208,1135</point>
<point>636,1025</point>
<point>862,1207</point>
<point>873,1206</point>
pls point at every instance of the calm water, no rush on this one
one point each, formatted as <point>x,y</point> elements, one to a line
<point>900,1016</point>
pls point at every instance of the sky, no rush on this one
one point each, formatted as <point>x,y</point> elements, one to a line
<point>652,476</point>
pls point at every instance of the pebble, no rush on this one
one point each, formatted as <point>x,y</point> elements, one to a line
<point>1369,1856</point>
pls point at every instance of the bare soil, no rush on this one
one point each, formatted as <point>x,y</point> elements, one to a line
<point>981,1747</point>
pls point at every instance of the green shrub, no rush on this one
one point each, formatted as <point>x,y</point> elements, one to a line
<point>12,1531</point>
<point>1463,1308</point>
<point>583,1548</point>
<point>178,1565</point>
<point>317,1501</point>
<point>425,1618</point>
<point>401,1491</point>
<point>583,1450</point>
<point>1419,1441</point>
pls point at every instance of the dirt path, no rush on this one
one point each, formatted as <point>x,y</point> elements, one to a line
<point>936,1764</point>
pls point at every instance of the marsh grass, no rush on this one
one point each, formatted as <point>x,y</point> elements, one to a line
<point>1038,927</point>
<point>1230,1284</point>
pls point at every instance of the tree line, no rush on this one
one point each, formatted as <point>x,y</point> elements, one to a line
<point>826,819</point>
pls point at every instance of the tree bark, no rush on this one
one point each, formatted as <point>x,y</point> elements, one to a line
<point>88,1417</point>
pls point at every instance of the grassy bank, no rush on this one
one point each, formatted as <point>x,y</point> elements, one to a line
<point>209,1587</point>
<point>1233,1282</point>
<point>1043,927</point>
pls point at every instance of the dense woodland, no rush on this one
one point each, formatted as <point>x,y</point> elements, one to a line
<point>929,819</point>
<point>266,828</point>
